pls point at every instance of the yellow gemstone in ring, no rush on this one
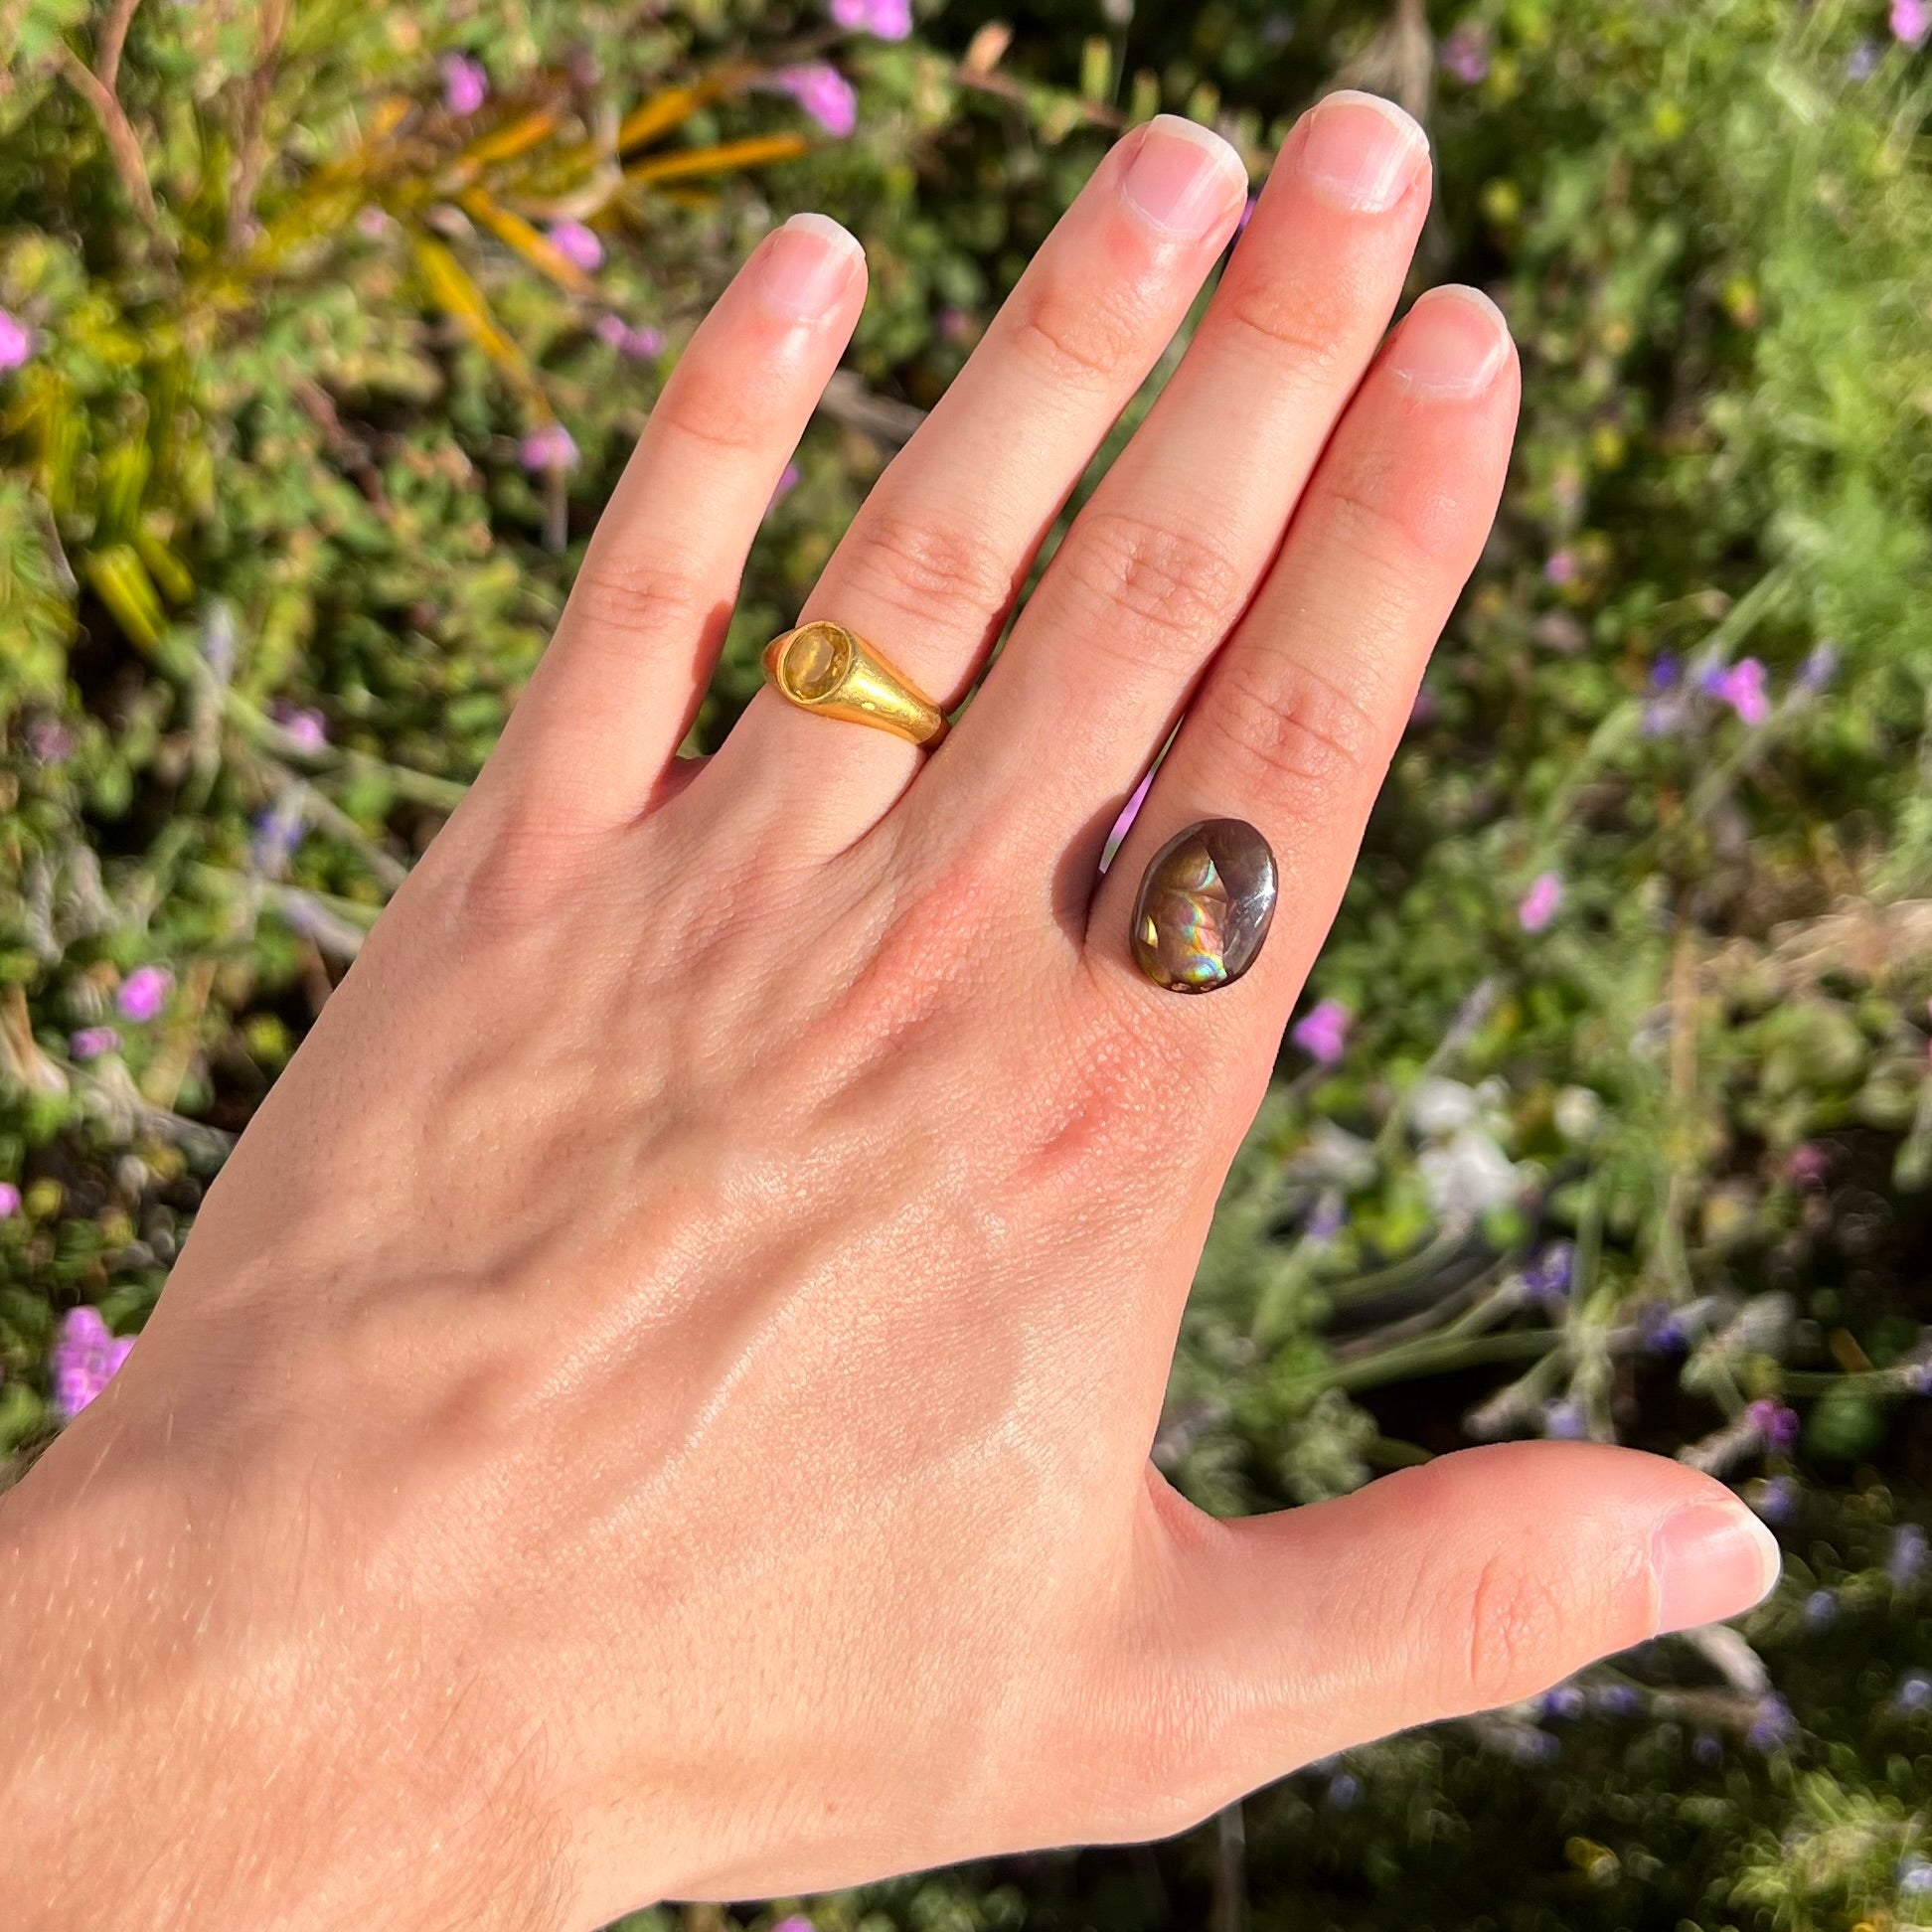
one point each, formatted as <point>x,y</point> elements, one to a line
<point>823,667</point>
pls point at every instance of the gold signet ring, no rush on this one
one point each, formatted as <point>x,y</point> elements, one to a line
<point>828,669</point>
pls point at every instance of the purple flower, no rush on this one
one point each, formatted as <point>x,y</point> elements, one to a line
<point>1561,566</point>
<point>1821,1609</point>
<point>1741,687</point>
<point>1344,1791</point>
<point>550,446</point>
<point>1862,62</point>
<point>1665,672</point>
<point>143,992</point>
<point>1774,1727</point>
<point>1907,1556</point>
<point>1322,1031</point>
<point>1819,668</point>
<point>1548,1277</point>
<point>578,244</point>
<point>1564,1421</point>
<point>1660,1330</point>
<point>787,482</point>
<point>1777,1425</point>
<point>1778,1499</point>
<point>1326,1219</point>
<point>1911,21</point>
<point>91,1041</point>
<point>793,1922</point>
<point>85,1359</point>
<point>49,742</point>
<point>1247,212</point>
<point>1564,1701</point>
<point>1915,1692</point>
<point>1914,1873</point>
<point>1705,1748</point>
<point>277,832</point>
<point>9,1200</point>
<point>1465,54</point>
<point>824,93</point>
<point>303,727</point>
<point>465,85</point>
<point>16,340</point>
<point>1617,1700</point>
<point>639,344</point>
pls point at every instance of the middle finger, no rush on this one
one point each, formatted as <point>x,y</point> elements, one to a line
<point>931,565</point>
<point>1165,557</point>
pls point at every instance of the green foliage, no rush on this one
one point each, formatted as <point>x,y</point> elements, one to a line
<point>273,569</point>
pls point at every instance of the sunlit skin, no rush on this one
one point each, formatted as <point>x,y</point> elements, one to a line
<point>657,1403</point>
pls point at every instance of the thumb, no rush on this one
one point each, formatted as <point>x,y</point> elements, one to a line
<point>1475,1580</point>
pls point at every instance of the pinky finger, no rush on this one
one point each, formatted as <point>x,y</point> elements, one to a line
<point>634,650</point>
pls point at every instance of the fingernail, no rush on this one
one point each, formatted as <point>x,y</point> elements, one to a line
<point>1710,1560</point>
<point>1452,343</point>
<point>1183,178</point>
<point>807,264</point>
<point>1362,150</point>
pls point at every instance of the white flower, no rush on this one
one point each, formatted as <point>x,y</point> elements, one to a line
<point>1467,1174</point>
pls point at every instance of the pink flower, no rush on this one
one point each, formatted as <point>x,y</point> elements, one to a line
<point>91,1041</point>
<point>16,340</point>
<point>824,93</point>
<point>1539,905</point>
<point>1911,21</point>
<point>372,221</point>
<point>85,1359</point>
<point>1741,687</point>
<point>794,1922</point>
<point>303,727</point>
<point>1466,55</point>
<point>465,85</point>
<point>888,19</point>
<point>1808,1163</point>
<point>144,992</point>
<point>9,1200</point>
<point>639,344</point>
<point>1322,1031</point>
<point>787,483</point>
<point>550,446</point>
<point>578,244</point>
<point>1124,824</point>
<point>1561,566</point>
<point>1247,212</point>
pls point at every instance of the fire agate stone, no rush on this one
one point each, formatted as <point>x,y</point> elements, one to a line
<point>1204,906</point>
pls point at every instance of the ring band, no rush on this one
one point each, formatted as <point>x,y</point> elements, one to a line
<point>828,669</point>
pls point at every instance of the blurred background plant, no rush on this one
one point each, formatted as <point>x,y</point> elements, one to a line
<point>324,329</point>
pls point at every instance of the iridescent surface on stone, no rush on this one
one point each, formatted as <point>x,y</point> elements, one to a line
<point>1204,908</point>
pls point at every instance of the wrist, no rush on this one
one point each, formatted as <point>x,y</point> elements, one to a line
<point>180,1752</point>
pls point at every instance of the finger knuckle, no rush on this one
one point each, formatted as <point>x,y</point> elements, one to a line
<point>1300,734</point>
<point>635,598</point>
<point>932,567</point>
<point>1300,324</point>
<point>1392,519</point>
<point>723,409</point>
<point>1144,586</point>
<point>1513,1624</point>
<point>1070,336</point>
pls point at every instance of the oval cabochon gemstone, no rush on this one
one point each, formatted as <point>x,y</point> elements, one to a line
<point>1204,906</point>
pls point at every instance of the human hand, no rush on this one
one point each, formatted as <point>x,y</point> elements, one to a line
<point>658,1402</point>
